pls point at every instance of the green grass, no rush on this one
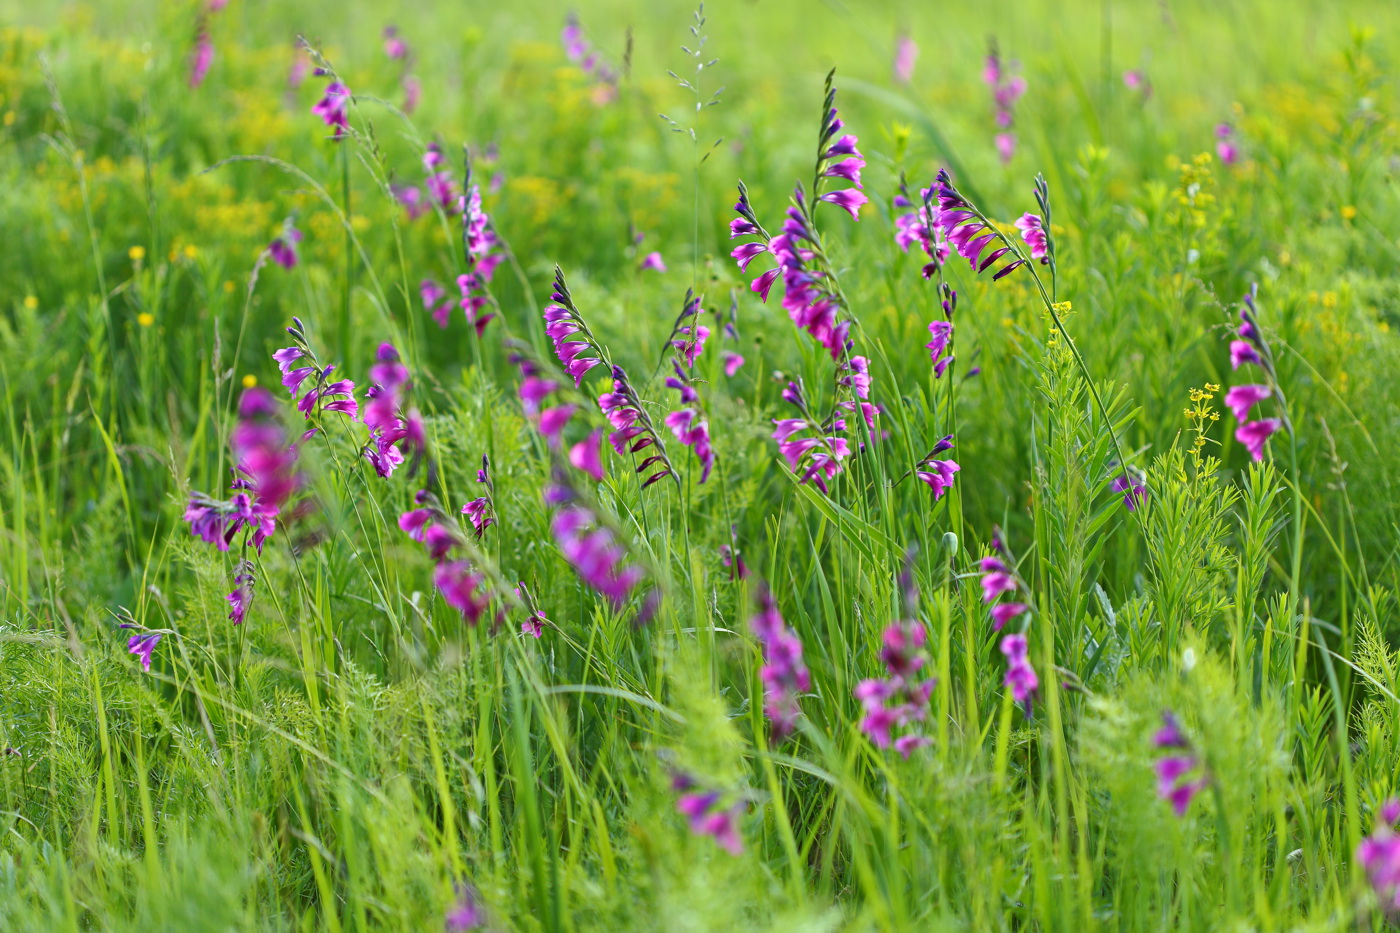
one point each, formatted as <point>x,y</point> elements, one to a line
<point>355,754</point>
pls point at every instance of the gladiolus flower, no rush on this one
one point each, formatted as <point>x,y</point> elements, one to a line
<point>142,646</point>
<point>1240,399</point>
<point>332,108</point>
<point>1255,434</point>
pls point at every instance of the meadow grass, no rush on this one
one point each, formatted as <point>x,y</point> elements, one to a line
<point>370,749</point>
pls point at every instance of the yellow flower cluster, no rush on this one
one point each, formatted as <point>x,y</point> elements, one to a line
<point>1200,416</point>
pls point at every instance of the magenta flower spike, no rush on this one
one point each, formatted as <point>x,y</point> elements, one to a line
<point>784,675</point>
<point>906,54</point>
<point>564,325</point>
<point>201,59</point>
<point>1020,676</point>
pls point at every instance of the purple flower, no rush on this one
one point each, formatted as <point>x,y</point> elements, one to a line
<point>1241,353</point>
<point>848,199</point>
<point>967,232</point>
<point>242,595</point>
<point>732,362</point>
<point>784,675</point>
<point>586,455</point>
<point>283,249</point>
<point>1133,491</point>
<point>942,334</point>
<point>1003,613</point>
<point>465,915</point>
<point>654,261</point>
<point>900,700</point>
<point>939,477</point>
<point>394,46</point>
<point>1255,434</point>
<point>332,108</point>
<point>906,53</point>
<point>1379,857</point>
<point>1225,147</point>
<point>1006,146</point>
<point>996,583</point>
<point>594,553</point>
<point>1137,81</point>
<point>708,819</point>
<point>1172,785</point>
<point>688,424</point>
<point>552,421</point>
<point>1033,232</point>
<point>142,646</point>
<point>564,326</point>
<point>1240,399</point>
<point>1170,735</point>
<point>462,589</point>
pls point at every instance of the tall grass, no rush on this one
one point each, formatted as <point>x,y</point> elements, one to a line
<point>357,756</point>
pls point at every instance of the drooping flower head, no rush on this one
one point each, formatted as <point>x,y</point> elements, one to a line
<point>813,449</point>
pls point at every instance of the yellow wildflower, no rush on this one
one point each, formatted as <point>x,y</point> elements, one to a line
<point>145,319</point>
<point>136,253</point>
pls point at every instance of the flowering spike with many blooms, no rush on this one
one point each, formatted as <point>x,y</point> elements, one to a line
<point>591,547</point>
<point>784,675</point>
<point>581,52</point>
<point>688,423</point>
<point>201,58</point>
<point>481,511</point>
<point>919,224</point>
<point>1033,232</point>
<point>1020,676</point>
<point>969,233</point>
<point>1007,88</point>
<point>633,431</point>
<point>813,450</point>
<point>564,325</point>
<point>999,577</point>
<point>462,586</point>
<point>899,701</point>
<point>1250,348</point>
<point>392,431</point>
